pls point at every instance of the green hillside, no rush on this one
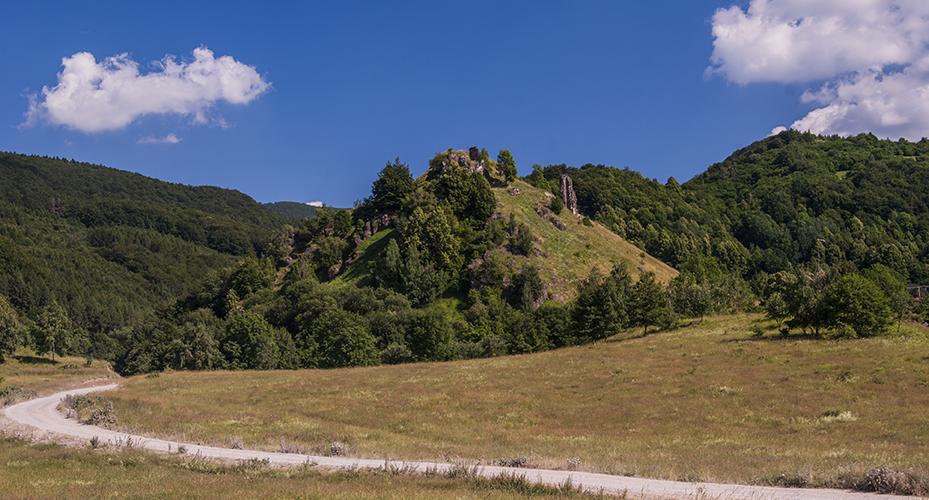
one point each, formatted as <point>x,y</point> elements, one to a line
<point>111,246</point>
<point>293,210</point>
<point>787,200</point>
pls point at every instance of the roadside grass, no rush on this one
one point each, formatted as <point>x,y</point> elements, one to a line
<point>708,401</point>
<point>51,471</point>
<point>579,248</point>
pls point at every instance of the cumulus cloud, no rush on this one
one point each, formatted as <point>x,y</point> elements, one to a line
<point>93,96</point>
<point>315,203</point>
<point>867,59</point>
<point>168,139</point>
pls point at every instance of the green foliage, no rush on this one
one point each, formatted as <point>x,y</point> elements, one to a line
<point>526,288</point>
<point>295,211</point>
<point>10,329</point>
<point>506,165</point>
<point>432,232</point>
<point>53,332</point>
<point>111,246</point>
<point>690,297</point>
<point>467,194</point>
<point>858,303</point>
<point>429,335</point>
<point>893,286</point>
<point>789,199</point>
<point>327,256</point>
<point>602,305</point>
<point>520,240</point>
<point>249,342</point>
<point>556,205</point>
<point>650,305</point>
<point>345,340</point>
<point>394,183</point>
<point>824,300</point>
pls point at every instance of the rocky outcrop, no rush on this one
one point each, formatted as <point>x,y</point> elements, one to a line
<point>567,194</point>
<point>469,160</point>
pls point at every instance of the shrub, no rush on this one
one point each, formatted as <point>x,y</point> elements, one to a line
<point>396,353</point>
<point>860,304</point>
<point>556,205</point>
<point>345,339</point>
<point>889,481</point>
<point>91,410</point>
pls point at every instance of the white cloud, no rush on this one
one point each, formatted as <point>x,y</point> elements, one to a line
<point>96,96</point>
<point>168,139</point>
<point>802,40</point>
<point>315,203</point>
<point>869,60</point>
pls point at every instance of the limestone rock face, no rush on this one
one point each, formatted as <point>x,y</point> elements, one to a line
<point>567,193</point>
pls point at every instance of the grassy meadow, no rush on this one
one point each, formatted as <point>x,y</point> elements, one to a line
<point>30,470</point>
<point>711,401</point>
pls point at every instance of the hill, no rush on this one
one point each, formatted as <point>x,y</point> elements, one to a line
<point>566,251</point>
<point>569,249</point>
<point>111,246</point>
<point>787,200</point>
<point>711,401</point>
<point>293,210</point>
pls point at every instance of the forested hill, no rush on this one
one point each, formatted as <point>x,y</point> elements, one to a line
<point>787,200</point>
<point>293,210</point>
<point>110,245</point>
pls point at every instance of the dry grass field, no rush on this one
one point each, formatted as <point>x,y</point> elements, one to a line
<point>25,374</point>
<point>712,401</point>
<point>51,471</point>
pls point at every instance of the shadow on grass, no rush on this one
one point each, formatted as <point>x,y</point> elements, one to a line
<point>640,333</point>
<point>35,360</point>
<point>779,338</point>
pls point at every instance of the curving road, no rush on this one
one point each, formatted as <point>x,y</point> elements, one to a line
<point>42,414</point>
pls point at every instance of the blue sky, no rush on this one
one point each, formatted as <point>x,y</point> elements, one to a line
<point>354,84</point>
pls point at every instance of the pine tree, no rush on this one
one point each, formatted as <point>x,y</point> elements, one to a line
<point>507,165</point>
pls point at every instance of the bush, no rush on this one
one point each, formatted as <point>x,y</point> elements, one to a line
<point>860,304</point>
<point>396,353</point>
<point>556,205</point>
<point>345,340</point>
<point>429,334</point>
<point>888,481</point>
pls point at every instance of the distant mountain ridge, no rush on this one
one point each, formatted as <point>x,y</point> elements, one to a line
<point>293,210</point>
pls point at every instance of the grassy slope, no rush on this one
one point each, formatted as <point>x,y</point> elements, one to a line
<point>707,401</point>
<point>51,471</point>
<point>360,269</point>
<point>570,255</point>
